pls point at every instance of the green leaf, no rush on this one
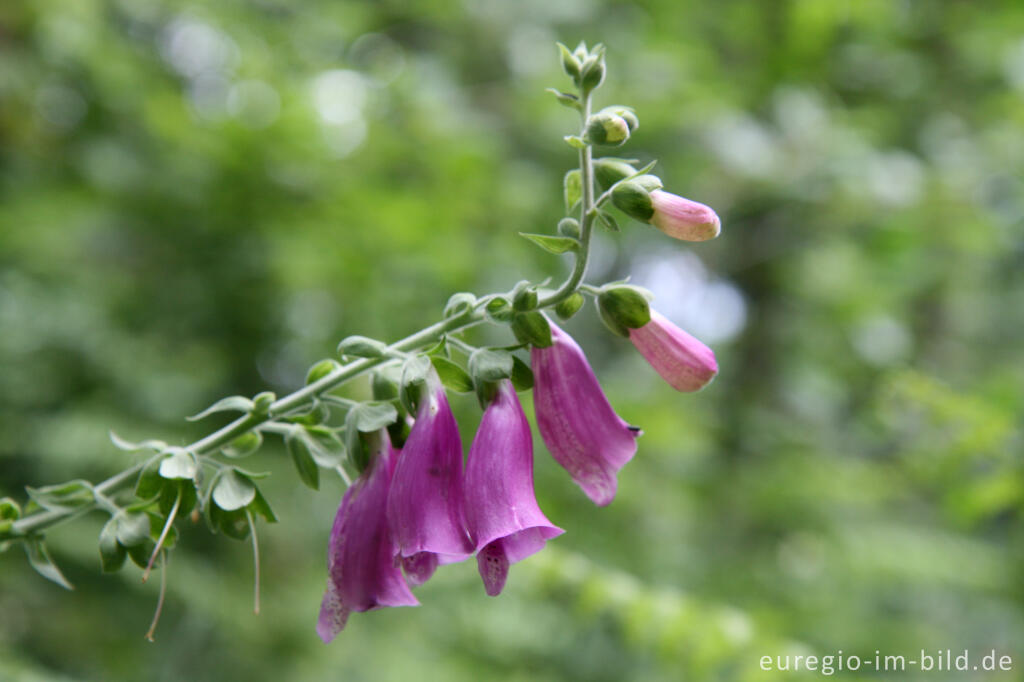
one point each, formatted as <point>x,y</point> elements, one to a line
<point>452,376</point>
<point>566,99</point>
<point>128,446</point>
<point>39,558</point>
<point>186,488</point>
<point>324,445</point>
<point>415,371</point>
<point>555,245</point>
<point>522,375</point>
<point>244,445</point>
<point>130,528</point>
<point>608,221</point>
<point>179,464</point>
<point>369,417</point>
<point>318,413</point>
<point>233,491</point>
<point>140,553</point>
<point>231,403</point>
<point>260,506</point>
<point>150,481</point>
<point>572,189</point>
<point>63,496</point>
<point>488,365</point>
<point>112,553</point>
<point>532,328</point>
<point>575,142</point>
<point>362,347</point>
<point>298,448</point>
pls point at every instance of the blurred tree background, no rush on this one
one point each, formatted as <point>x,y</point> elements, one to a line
<point>201,198</point>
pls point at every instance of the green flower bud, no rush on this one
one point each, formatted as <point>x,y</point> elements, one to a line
<point>627,114</point>
<point>384,385</point>
<point>569,227</point>
<point>525,299</point>
<point>570,64</point>
<point>569,306</point>
<point>532,328</point>
<point>608,171</point>
<point>633,199</point>
<point>607,129</point>
<point>320,370</point>
<point>649,182</point>
<point>261,402</point>
<point>592,73</point>
<point>623,308</point>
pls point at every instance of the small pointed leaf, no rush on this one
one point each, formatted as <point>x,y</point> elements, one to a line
<point>452,376</point>
<point>231,403</point>
<point>555,245</point>
<point>40,559</point>
<point>308,472</point>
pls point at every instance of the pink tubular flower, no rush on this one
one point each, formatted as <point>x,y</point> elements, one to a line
<point>681,360</point>
<point>682,218</point>
<point>425,505</point>
<point>362,574</point>
<point>575,419</point>
<point>501,511</point>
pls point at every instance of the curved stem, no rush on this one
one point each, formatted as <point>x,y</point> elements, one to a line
<point>39,521</point>
<point>587,215</point>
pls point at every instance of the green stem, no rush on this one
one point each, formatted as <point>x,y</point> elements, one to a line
<point>34,523</point>
<point>587,215</point>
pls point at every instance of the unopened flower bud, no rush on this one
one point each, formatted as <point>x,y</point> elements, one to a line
<point>627,114</point>
<point>623,308</point>
<point>634,200</point>
<point>607,129</point>
<point>570,64</point>
<point>261,402</point>
<point>592,73</point>
<point>569,227</point>
<point>320,370</point>
<point>681,360</point>
<point>608,171</point>
<point>682,218</point>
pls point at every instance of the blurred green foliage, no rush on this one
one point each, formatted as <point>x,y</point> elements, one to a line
<point>199,199</point>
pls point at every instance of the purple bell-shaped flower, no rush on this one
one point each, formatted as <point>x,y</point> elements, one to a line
<point>579,426</point>
<point>362,572</point>
<point>425,505</point>
<point>502,514</point>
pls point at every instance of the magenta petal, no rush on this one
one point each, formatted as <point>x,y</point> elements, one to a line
<point>493,565</point>
<point>579,426</point>
<point>502,514</point>
<point>425,505</point>
<point>419,567</point>
<point>681,360</point>
<point>361,566</point>
<point>683,218</point>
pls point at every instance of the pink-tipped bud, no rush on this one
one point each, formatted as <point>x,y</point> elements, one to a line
<point>681,360</point>
<point>682,218</point>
